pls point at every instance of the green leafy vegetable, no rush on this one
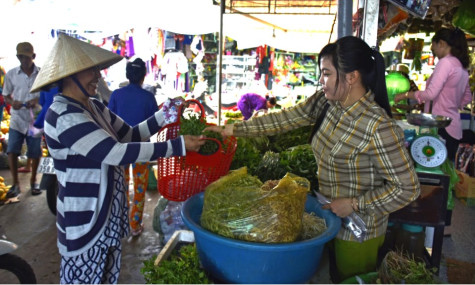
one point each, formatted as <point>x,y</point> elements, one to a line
<point>183,267</point>
<point>291,138</point>
<point>194,125</point>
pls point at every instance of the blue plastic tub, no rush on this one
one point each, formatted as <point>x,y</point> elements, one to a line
<point>234,261</point>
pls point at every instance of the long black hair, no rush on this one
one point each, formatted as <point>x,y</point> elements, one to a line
<point>351,53</point>
<point>455,38</point>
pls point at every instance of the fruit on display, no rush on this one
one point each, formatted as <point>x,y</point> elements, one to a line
<point>3,189</point>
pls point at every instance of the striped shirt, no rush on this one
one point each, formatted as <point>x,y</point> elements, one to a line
<point>87,148</point>
<point>359,152</point>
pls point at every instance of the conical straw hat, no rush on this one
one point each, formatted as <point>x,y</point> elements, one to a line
<point>70,56</point>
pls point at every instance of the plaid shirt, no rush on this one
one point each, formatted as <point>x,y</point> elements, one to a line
<point>359,151</point>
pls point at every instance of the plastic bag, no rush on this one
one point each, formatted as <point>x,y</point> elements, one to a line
<point>240,206</point>
<point>170,220</point>
<point>161,204</point>
<point>352,222</point>
<point>32,130</point>
<point>449,169</point>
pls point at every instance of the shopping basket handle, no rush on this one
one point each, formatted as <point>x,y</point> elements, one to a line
<point>207,160</point>
<point>187,103</point>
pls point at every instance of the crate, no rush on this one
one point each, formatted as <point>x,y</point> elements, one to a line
<point>465,189</point>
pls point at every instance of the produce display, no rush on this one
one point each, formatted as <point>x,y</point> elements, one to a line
<point>271,157</point>
<point>3,189</point>
<point>240,206</point>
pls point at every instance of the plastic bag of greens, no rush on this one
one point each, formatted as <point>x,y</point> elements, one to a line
<point>449,169</point>
<point>240,206</point>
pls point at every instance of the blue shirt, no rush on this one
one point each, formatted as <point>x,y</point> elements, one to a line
<point>133,104</point>
<point>46,98</point>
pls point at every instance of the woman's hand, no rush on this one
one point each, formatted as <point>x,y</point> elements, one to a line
<point>341,207</point>
<point>193,143</point>
<point>225,131</point>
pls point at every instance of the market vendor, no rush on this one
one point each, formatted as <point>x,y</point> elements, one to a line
<point>90,145</point>
<point>251,102</point>
<point>447,90</point>
<point>363,165</point>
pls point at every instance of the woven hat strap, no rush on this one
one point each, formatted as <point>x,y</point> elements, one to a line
<point>74,78</point>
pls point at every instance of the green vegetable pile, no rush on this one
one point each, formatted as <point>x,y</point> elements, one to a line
<point>183,267</point>
<point>194,125</point>
<point>231,114</point>
<point>271,157</point>
<point>240,206</point>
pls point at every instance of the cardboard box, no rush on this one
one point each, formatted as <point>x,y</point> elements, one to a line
<point>465,189</point>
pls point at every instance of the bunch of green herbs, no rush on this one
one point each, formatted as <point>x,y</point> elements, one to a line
<point>182,267</point>
<point>194,125</point>
<point>398,268</point>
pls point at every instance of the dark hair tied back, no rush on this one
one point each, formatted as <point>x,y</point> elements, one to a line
<point>455,38</point>
<point>136,71</point>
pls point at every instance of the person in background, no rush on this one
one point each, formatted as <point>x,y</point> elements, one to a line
<point>46,99</point>
<point>447,89</point>
<point>134,105</point>
<point>363,165</point>
<point>16,91</point>
<point>251,102</point>
<point>90,145</point>
<point>2,100</point>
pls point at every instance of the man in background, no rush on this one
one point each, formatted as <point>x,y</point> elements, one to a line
<point>16,91</point>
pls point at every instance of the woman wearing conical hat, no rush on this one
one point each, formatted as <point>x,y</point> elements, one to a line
<point>89,144</point>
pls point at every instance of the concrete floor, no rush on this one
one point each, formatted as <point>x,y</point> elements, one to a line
<point>31,225</point>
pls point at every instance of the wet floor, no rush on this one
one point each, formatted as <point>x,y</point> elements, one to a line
<point>31,225</point>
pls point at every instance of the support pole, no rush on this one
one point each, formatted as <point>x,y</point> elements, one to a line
<point>220,57</point>
<point>370,22</point>
<point>345,18</point>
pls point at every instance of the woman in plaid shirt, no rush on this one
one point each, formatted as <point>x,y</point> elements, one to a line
<point>363,166</point>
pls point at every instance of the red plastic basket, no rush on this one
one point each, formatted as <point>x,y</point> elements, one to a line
<point>180,177</point>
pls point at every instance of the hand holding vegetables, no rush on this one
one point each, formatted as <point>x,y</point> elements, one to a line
<point>193,143</point>
<point>227,131</point>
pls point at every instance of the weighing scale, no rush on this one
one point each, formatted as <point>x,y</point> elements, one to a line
<point>427,150</point>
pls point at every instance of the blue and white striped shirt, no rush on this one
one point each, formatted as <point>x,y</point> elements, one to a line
<point>85,148</point>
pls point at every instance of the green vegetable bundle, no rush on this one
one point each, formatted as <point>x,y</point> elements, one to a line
<point>398,268</point>
<point>183,267</point>
<point>240,206</point>
<point>194,125</point>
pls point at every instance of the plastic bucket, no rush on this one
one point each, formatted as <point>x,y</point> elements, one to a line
<point>234,261</point>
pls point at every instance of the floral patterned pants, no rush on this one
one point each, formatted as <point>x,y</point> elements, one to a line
<point>140,178</point>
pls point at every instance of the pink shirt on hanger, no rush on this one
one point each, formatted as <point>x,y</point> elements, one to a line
<point>449,91</point>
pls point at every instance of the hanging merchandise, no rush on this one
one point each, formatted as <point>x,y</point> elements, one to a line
<point>170,42</point>
<point>198,49</point>
<point>129,45</point>
<point>174,67</point>
<point>390,16</point>
<point>118,46</point>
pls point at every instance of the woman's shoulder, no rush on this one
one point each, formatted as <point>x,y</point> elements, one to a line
<point>449,61</point>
